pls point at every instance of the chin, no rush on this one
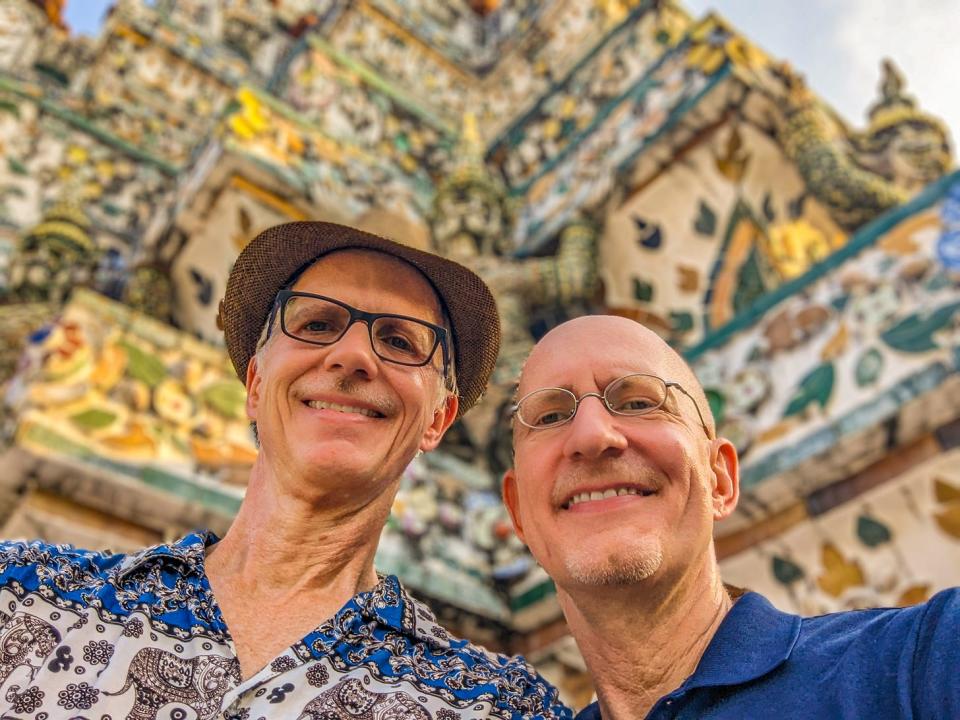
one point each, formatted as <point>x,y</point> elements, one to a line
<point>625,564</point>
<point>334,459</point>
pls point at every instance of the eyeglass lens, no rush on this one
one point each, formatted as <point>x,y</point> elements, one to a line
<point>321,322</point>
<point>630,395</point>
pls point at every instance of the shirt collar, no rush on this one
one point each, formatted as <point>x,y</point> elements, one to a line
<point>753,639</point>
<point>188,551</point>
<point>392,606</point>
<point>388,605</point>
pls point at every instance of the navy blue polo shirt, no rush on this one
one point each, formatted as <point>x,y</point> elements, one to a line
<point>874,664</point>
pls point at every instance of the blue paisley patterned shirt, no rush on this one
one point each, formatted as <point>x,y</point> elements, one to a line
<point>101,636</point>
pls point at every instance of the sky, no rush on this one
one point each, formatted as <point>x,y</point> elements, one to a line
<point>837,44</point>
<point>86,16</point>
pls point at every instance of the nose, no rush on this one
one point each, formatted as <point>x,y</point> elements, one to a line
<point>593,432</point>
<point>352,354</point>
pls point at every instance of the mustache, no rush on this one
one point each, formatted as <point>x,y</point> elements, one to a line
<point>619,469</point>
<point>355,390</point>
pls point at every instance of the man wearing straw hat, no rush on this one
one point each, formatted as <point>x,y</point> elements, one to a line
<point>357,353</point>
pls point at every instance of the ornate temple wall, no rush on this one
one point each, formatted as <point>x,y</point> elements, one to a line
<point>542,144</point>
<point>874,551</point>
<point>711,234</point>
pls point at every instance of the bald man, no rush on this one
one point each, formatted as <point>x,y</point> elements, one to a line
<point>617,482</point>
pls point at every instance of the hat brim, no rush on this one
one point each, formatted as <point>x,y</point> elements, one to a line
<point>269,261</point>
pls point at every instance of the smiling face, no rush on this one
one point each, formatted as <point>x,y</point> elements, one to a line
<point>337,422</point>
<point>607,499</point>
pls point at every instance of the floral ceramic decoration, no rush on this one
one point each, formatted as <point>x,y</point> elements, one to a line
<point>858,341</point>
<point>872,552</point>
<point>108,382</point>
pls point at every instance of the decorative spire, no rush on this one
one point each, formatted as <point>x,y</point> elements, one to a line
<point>894,104</point>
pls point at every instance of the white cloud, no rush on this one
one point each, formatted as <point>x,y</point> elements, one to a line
<point>920,36</point>
<point>838,46</point>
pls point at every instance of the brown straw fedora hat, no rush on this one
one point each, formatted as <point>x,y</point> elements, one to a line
<point>274,256</point>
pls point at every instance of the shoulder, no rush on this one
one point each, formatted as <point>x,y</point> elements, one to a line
<point>883,634</point>
<point>521,689</point>
<point>590,712</point>
<point>24,566</point>
<point>938,628</point>
<point>883,621</point>
<point>469,670</point>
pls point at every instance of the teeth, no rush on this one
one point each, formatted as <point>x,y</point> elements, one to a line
<point>612,492</point>
<point>321,405</point>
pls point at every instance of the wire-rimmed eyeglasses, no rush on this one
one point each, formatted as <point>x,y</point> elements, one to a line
<point>634,394</point>
<point>320,320</point>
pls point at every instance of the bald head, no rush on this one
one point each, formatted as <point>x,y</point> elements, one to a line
<point>608,344</point>
<point>616,497</point>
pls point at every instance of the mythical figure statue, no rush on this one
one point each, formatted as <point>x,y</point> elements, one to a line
<point>54,256</point>
<point>857,177</point>
<point>149,288</point>
<point>903,144</point>
<point>471,224</point>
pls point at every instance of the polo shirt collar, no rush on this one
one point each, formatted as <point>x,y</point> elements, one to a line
<point>753,639</point>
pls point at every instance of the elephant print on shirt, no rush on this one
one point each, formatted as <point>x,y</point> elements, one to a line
<point>160,677</point>
<point>23,635</point>
<point>350,700</point>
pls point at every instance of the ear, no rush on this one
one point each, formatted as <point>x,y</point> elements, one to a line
<point>726,478</point>
<point>512,501</point>
<point>253,389</point>
<point>442,419</point>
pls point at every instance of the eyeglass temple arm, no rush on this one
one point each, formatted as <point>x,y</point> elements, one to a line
<point>703,423</point>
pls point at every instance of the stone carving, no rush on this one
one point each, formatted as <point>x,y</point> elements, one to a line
<point>470,223</point>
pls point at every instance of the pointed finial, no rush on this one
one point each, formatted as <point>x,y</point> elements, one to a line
<point>892,83</point>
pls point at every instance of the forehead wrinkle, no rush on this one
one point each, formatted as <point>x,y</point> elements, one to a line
<point>365,259</point>
<point>653,355</point>
<point>602,331</point>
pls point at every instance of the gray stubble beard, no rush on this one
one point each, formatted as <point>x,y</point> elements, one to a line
<point>625,566</point>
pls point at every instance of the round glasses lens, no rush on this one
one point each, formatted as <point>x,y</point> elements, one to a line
<point>314,320</point>
<point>546,408</point>
<point>635,394</point>
<point>403,341</point>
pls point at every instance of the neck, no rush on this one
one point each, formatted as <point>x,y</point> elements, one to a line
<point>643,641</point>
<point>288,546</point>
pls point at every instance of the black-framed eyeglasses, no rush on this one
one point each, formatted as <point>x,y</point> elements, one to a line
<point>634,394</point>
<point>320,320</point>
